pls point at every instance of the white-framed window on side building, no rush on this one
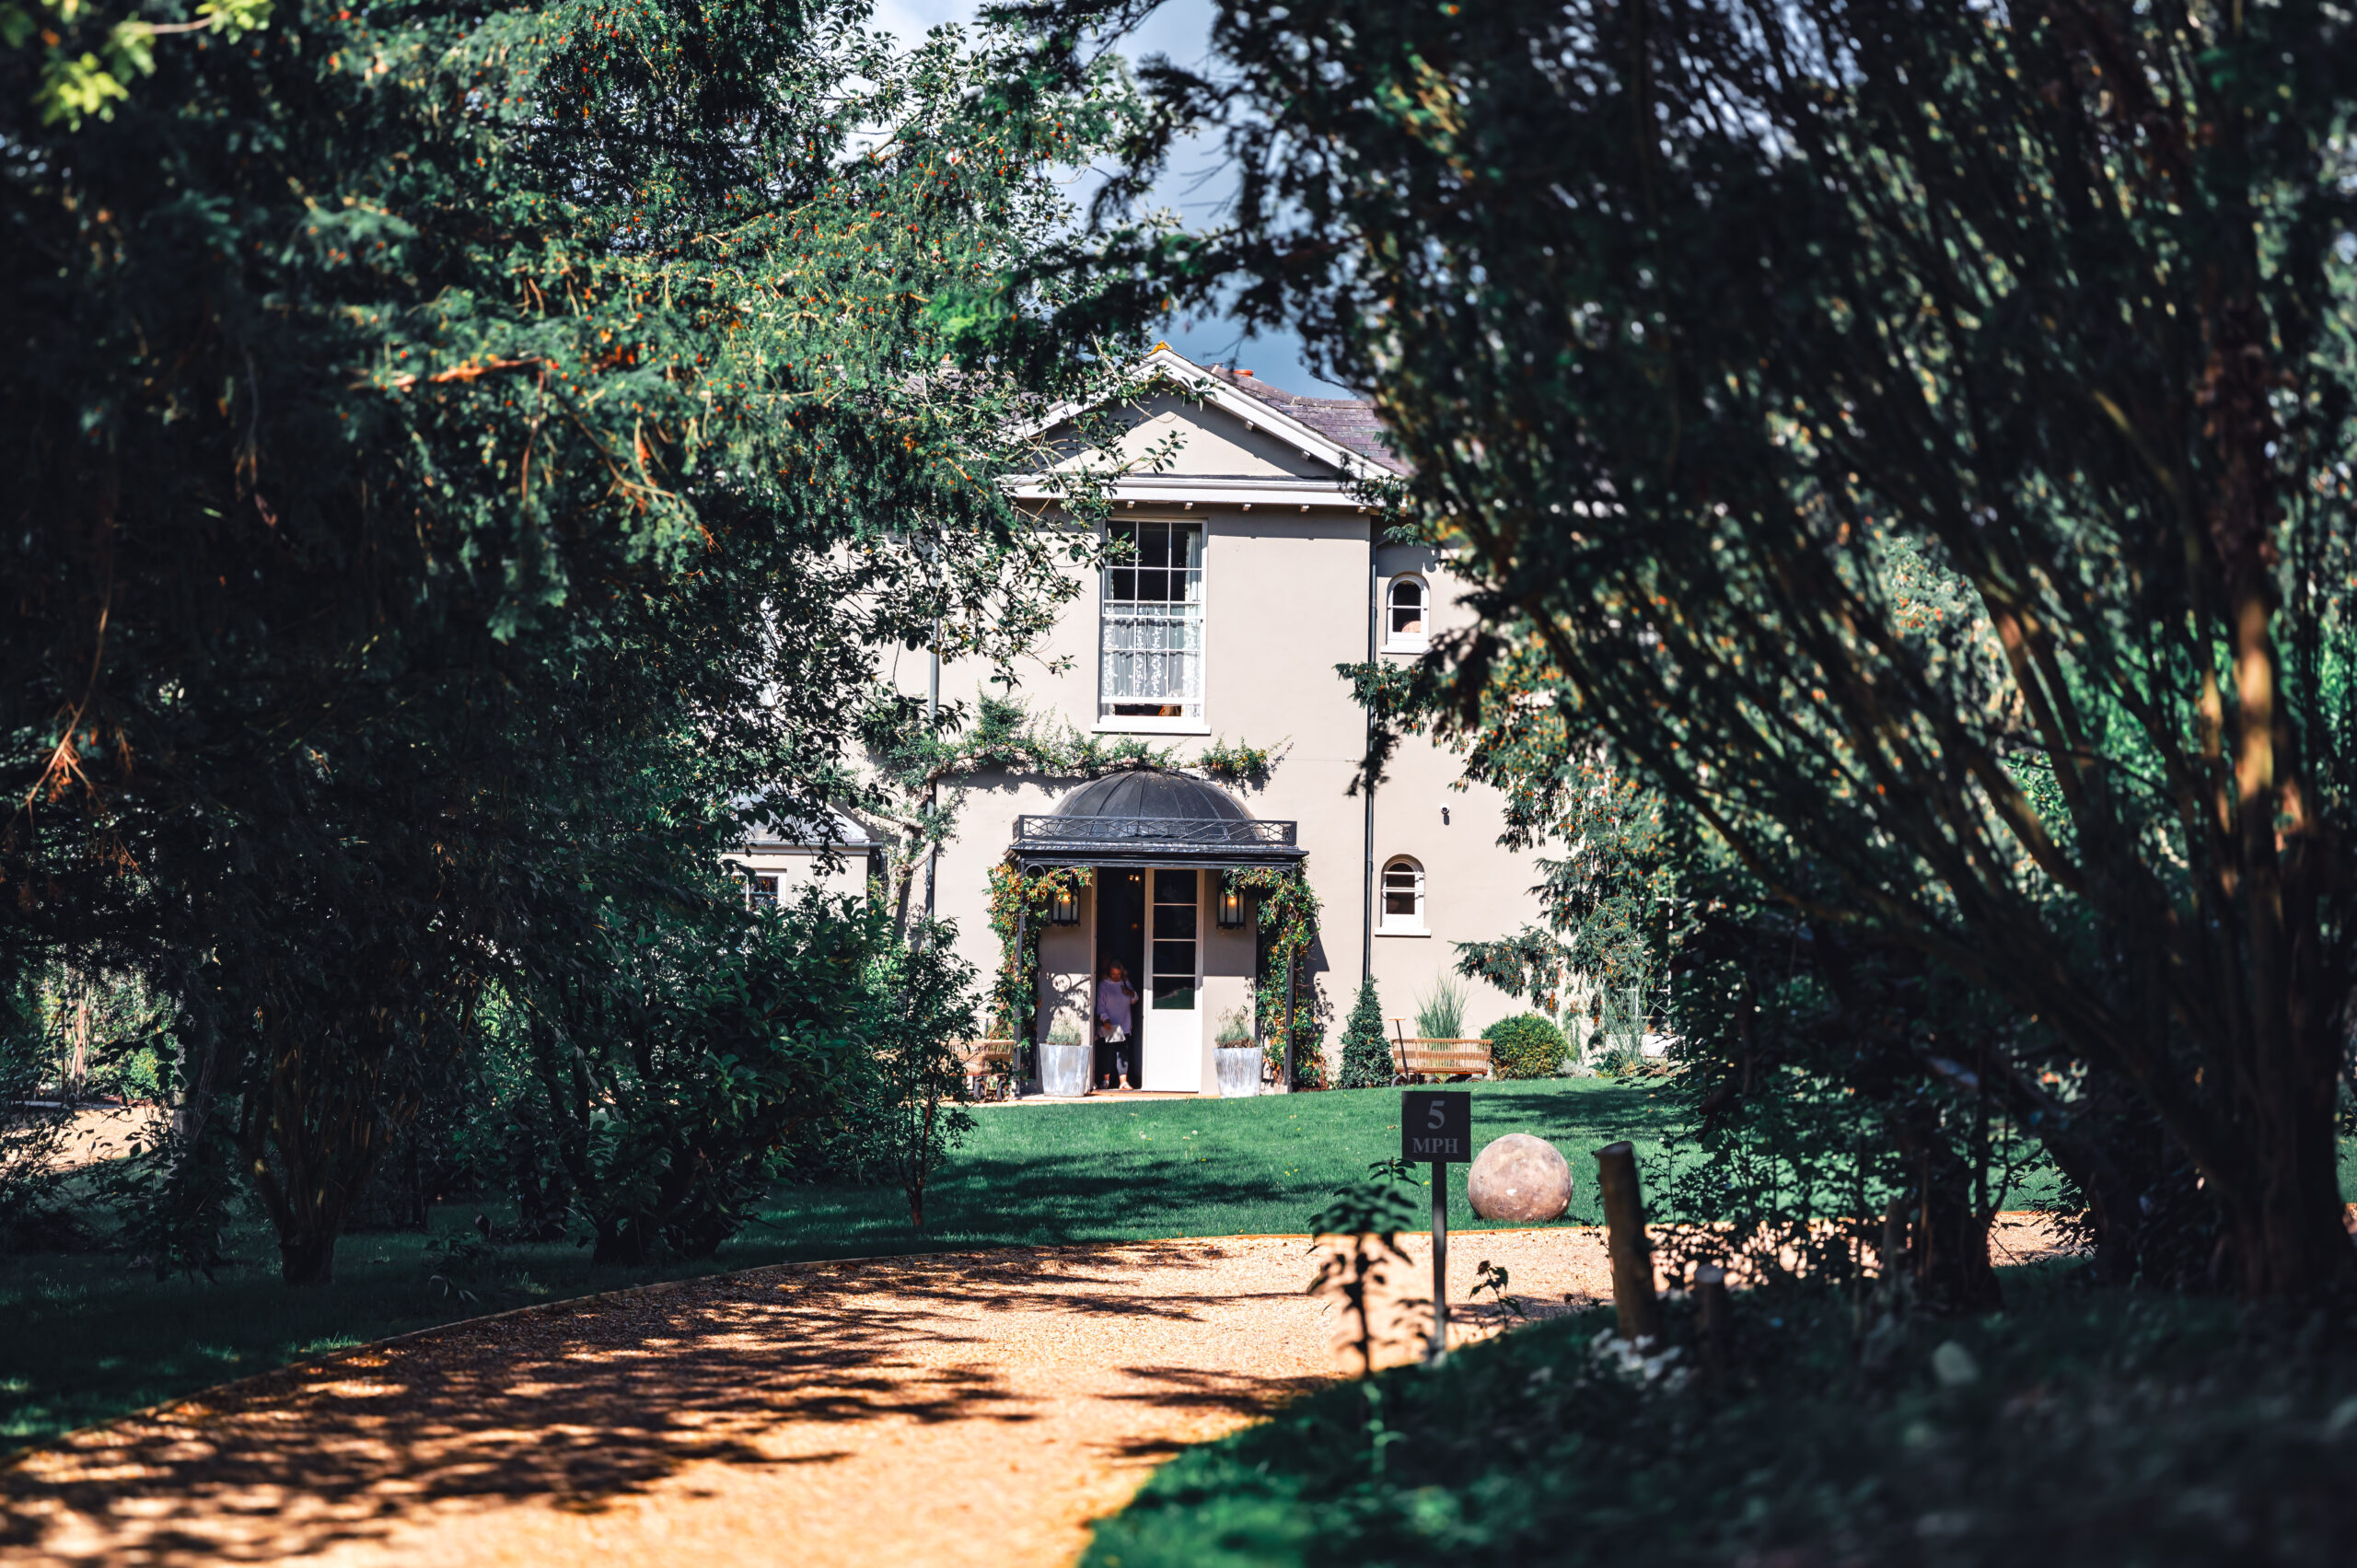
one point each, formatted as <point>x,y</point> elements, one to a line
<point>1150,645</point>
<point>1407,605</point>
<point>1403,897</point>
<point>760,890</point>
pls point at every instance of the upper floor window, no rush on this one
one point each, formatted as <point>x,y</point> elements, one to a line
<point>1151,641</point>
<point>762,891</point>
<point>1403,895</point>
<point>1404,612</point>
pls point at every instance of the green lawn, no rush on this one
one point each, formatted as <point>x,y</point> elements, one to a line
<point>88,1337</point>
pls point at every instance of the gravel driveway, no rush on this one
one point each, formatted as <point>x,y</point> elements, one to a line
<point>977,1407</point>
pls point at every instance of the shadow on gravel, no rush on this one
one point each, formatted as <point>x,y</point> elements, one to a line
<point>579,1403</point>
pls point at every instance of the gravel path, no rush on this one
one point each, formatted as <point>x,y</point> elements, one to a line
<point>976,1408</point>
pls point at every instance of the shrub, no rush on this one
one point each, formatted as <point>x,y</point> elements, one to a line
<point>1367,1055</point>
<point>731,1048</point>
<point>1527,1046</point>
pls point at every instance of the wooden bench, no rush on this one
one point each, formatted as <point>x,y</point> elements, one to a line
<point>989,1066</point>
<point>1415,1061</point>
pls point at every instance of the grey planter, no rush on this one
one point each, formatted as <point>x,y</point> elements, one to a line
<point>1239,1070</point>
<point>1063,1071</point>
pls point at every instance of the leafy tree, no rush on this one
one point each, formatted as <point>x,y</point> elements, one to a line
<point>452,449</point>
<point>911,1114</point>
<point>1367,1053</point>
<point>1916,437</point>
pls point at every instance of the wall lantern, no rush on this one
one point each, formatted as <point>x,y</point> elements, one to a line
<point>1231,905</point>
<point>1065,910</point>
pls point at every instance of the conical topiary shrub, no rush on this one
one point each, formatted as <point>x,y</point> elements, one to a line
<point>1367,1055</point>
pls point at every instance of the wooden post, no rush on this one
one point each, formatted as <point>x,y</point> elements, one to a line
<point>1624,1226</point>
<point>1440,1259</point>
<point>1711,1292</point>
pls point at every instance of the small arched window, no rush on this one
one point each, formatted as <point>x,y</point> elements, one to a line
<point>1404,612</point>
<point>1403,894</point>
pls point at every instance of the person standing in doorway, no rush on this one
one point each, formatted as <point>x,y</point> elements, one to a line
<point>1116,1013</point>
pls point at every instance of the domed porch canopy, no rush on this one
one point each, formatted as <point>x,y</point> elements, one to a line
<point>1151,817</point>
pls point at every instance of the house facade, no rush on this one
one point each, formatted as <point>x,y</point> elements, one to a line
<point>1252,569</point>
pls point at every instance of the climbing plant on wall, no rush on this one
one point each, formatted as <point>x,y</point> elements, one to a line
<point>918,770</point>
<point>1288,927</point>
<point>1019,906</point>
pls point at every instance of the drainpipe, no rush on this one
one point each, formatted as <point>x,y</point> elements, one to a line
<point>1366,869</point>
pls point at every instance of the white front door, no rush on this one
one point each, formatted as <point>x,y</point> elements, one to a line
<point>1174,1018</point>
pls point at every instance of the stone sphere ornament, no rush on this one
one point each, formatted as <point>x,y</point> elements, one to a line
<point>1520,1177</point>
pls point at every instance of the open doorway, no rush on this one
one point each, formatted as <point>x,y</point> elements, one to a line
<point>1120,941</point>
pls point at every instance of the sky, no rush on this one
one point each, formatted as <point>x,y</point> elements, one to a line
<point>1198,186</point>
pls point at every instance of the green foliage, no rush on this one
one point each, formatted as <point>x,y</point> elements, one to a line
<point>1938,495</point>
<point>1441,1014</point>
<point>1532,966</point>
<point>672,1094</point>
<point>1366,1217</point>
<point>1287,925</point>
<point>88,60</point>
<point>911,1111</point>
<point>911,764</point>
<point>1240,764</point>
<point>2107,1427</point>
<point>1366,1049</point>
<point>1838,1092</point>
<point>457,451</point>
<point>31,1136</point>
<point>1528,1045</point>
<point>1019,905</point>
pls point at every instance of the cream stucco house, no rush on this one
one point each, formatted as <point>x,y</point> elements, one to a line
<point>1256,568</point>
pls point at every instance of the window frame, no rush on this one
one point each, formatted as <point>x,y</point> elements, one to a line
<point>1181,723</point>
<point>1407,642</point>
<point>1414,925</point>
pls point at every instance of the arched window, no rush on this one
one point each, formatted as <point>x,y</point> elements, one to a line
<point>1403,894</point>
<point>1404,612</point>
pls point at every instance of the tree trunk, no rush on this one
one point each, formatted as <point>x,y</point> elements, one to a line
<point>1946,1242</point>
<point>621,1241</point>
<point>307,1258</point>
<point>322,1118</point>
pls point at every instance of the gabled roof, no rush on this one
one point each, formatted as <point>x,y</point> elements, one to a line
<point>1341,435</point>
<point>1349,422</point>
<point>839,832</point>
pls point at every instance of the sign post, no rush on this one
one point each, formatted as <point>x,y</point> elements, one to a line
<point>1438,1125</point>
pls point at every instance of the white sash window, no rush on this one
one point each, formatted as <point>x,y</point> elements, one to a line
<point>1151,642</point>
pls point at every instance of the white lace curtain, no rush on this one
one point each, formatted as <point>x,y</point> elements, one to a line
<point>1152,646</point>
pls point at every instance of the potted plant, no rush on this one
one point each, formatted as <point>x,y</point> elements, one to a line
<point>1063,1062</point>
<point>1236,1053</point>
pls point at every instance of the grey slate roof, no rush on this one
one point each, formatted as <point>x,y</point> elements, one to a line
<point>1352,421</point>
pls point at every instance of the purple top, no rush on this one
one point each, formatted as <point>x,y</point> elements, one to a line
<point>1113,998</point>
